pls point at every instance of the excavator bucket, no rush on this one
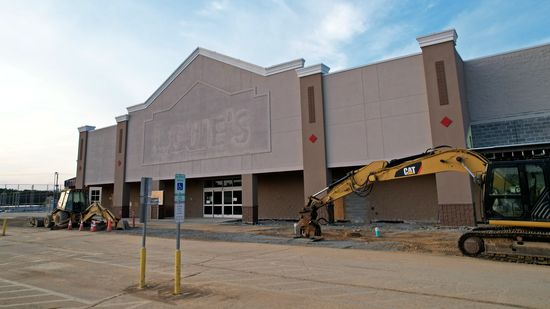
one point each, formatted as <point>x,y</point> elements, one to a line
<point>96,210</point>
<point>307,226</point>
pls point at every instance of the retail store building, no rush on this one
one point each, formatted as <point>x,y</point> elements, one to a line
<point>255,142</point>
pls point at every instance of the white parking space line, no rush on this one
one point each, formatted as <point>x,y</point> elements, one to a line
<point>7,263</point>
<point>127,305</point>
<point>36,303</point>
<point>105,263</point>
<point>15,291</point>
<point>26,287</point>
<point>23,296</point>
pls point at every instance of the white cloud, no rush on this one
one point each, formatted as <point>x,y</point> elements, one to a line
<point>214,7</point>
<point>342,23</point>
<point>56,77</point>
<point>316,30</point>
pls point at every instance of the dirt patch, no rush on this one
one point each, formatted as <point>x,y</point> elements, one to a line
<point>401,237</point>
<point>408,237</point>
<point>163,292</point>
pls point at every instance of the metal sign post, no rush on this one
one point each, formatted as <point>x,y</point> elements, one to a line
<point>145,194</point>
<point>179,215</point>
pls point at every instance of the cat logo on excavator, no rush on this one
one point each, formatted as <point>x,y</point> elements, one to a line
<point>409,170</point>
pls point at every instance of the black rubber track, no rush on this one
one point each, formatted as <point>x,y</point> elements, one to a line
<point>539,235</point>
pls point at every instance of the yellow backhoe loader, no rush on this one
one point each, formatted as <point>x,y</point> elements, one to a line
<point>71,207</point>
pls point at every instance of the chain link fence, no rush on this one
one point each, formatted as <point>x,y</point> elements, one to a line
<point>23,197</point>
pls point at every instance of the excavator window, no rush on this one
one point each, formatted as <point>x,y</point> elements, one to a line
<point>538,192</point>
<point>79,201</point>
<point>62,200</point>
<point>505,194</point>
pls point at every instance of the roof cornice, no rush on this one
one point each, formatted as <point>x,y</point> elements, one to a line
<point>437,38</point>
<point>286,66</point>
<point>314,69</point>
<point>122,118</point>
<point>86,129</point>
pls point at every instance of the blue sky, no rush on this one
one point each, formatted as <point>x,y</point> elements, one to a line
<point>64,64</point>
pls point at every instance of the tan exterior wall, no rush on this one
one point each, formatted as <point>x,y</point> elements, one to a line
<point>451,188</point>
<point>107,196</point>
<point>280,195</point>
<point>100,156</point>
<point>193,195</point>
<point>250,198</point>
<point>313,125</point>
<point>375,112</point>
<point>408,199</point>
<point>404,199</point>
<point>167,209</point>
<point>274,144</point>
<point>463,95</point>
<point>453,134</point>
<point>121,190</point>
<point>81,160</point>
<point>134,188</point>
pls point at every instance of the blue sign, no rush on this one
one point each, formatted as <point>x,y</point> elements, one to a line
<point>179,198</point>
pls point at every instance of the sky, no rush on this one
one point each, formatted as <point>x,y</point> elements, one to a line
<point>69,63</point>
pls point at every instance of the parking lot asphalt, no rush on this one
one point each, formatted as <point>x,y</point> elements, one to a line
<point>40,268</point>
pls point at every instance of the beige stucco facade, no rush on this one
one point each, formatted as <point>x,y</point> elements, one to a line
<point>369,108</point>
<point>215,119</point>
<point>281,133</point>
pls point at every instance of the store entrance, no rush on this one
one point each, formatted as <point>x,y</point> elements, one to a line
<point>222,198</point>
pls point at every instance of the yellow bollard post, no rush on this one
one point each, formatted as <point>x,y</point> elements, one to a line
<point>177,273</point>
<point>142,257</point>
<point>4,226</point>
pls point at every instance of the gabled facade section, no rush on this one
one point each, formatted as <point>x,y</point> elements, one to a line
<point>275,69</point>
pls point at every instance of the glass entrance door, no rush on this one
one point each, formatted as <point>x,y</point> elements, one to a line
<point>222,198</point>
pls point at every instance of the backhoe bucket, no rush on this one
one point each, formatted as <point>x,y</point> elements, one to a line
<point>96,210</point>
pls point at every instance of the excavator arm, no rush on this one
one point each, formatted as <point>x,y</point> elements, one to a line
<point>360,181</point>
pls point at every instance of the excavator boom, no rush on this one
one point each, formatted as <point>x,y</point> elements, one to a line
<point>360,181</point>
<point>432,162</point>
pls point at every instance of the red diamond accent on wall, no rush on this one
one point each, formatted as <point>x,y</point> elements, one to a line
<point>446,121</point>
<point>313,138</point>
<point>119,163</point>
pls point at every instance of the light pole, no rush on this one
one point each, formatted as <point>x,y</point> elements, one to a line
<point>55,188</point>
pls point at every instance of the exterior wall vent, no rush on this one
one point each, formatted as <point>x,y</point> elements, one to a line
<point>441,83</point>
<point>311,104</point>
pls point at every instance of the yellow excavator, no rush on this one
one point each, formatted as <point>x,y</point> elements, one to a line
<point>72,208</point>
<point>515,209</point>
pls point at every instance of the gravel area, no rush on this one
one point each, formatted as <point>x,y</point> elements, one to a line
<point>406,237</point>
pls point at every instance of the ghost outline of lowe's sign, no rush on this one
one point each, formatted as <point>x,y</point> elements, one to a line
<point>207,122</point>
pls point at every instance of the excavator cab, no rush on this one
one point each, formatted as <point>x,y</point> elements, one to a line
<point>517,191</point>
